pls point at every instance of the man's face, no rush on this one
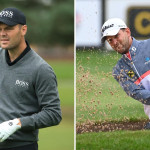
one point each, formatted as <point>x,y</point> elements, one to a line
<point>120,42</point>
<point>10,36</point>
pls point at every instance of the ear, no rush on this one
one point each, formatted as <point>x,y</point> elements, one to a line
<point>24,30</point>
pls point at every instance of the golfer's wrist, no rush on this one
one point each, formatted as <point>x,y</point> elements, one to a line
<point>19,123</point>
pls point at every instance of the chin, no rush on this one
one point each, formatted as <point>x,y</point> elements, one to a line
<point>4,46</point>
<point>123,51</point>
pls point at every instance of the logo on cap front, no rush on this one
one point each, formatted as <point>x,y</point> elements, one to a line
<point>6,14</point>
<point>106,27</point>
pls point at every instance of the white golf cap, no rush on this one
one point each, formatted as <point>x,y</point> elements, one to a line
<point>111,27</point>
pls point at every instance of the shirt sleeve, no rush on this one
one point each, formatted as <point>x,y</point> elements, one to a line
<point>137,92</point>
<point>48,101</point>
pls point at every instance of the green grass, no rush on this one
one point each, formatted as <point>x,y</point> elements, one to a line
<point>64,71</point>
<point>61,137</point>
<point>99,97</point>
<point>118,140</point>
<point>66,92</point>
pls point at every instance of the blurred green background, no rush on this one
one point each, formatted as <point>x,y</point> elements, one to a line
<point>49,21</point>
<point>61,137</point>
<point>51,34</point>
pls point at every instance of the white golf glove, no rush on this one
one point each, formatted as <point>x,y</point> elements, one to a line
<point>7,128</point>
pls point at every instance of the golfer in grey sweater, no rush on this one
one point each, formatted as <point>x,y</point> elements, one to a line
<point>29,97</point>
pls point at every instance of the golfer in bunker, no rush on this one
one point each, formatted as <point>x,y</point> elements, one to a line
<point>132,71</point>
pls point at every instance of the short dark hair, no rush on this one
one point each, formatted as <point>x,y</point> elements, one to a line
<point>122,29</point>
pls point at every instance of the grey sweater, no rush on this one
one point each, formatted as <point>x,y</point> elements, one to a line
<point>28,90</point>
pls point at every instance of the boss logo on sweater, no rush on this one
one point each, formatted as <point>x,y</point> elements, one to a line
<point>22,83</point>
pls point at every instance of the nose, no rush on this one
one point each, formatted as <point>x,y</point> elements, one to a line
<point>114,41</point>
<point>2,33</point>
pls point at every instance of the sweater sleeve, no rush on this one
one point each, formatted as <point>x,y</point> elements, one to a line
<point>48,101</point>
<point>137,92</point>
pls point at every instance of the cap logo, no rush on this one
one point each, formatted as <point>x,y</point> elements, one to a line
<point>106,27</point>
<point>6,14</point>
<point>121,26</point>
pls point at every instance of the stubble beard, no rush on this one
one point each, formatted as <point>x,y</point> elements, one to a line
<point>122,48</point>
<point>10,46</point>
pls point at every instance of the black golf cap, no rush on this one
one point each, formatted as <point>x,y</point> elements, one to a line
<point>12,16</point>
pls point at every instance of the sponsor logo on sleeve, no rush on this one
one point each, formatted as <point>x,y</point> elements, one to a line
<point>131,74</point>
<point>133,49</point>
<point>147,60</point>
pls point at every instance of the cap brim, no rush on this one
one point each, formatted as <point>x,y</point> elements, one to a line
<point>7,22</point>
<point>109,32</point>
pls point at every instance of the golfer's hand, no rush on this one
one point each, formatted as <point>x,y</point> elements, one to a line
<point>7,128</point>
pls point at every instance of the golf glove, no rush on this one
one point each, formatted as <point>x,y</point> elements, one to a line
<point>7,128</point>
